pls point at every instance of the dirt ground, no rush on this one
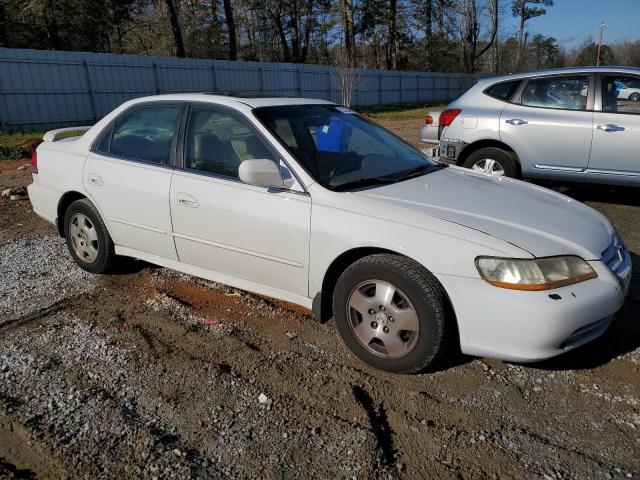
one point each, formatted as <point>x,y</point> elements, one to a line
<point>154,374</point>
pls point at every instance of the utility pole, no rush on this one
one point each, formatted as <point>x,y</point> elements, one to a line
<point>602,27</point>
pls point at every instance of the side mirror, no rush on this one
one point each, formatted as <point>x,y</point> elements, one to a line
<point>261,172</point>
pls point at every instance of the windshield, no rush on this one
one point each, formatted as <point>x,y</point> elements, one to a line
<point>342,150</point>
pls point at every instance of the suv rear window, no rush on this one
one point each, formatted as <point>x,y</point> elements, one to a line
<point>503,90</point>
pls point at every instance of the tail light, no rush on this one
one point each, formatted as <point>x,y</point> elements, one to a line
<point>428,120</point>
<point>447,116</point>
<point>34,161</point>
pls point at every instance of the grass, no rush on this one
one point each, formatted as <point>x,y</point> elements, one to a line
<point>400,112</point>
<point>18,145</point>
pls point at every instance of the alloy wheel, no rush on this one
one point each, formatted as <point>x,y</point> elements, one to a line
<point>489,166</point>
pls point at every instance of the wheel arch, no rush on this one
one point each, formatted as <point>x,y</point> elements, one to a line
<point>323,300</point>
<point>67,199</point>
<point>475,146</point>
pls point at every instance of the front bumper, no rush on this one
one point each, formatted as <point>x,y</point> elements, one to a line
<point>527,326</point>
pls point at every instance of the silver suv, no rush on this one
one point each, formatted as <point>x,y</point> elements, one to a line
<point>570,124</point>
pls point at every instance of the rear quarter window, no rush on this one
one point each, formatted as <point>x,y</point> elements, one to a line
<point>503,90</point>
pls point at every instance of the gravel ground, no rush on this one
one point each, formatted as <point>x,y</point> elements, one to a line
<point>37,275</point>
<point>155,374</point>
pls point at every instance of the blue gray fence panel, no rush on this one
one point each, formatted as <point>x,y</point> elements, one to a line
<point>40,90</point>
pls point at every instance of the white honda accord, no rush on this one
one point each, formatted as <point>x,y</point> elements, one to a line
<point>308,202</point>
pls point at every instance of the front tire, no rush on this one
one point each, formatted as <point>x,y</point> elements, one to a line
<point>390,312</point>
<point>88,239</point>
<point>634,97</point>
<point>492,161</point>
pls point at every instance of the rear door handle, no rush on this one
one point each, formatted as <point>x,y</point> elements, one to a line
<point>610,127</point>
<point>187,200</point>
<point>517,121</point>
<point>95,180</point>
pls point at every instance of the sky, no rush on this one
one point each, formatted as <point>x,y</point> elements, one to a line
<point>572,21</point>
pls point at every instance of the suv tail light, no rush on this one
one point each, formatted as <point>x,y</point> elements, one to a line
<point>428,120</point>
<point>447,116</point>
<point>34,161</point>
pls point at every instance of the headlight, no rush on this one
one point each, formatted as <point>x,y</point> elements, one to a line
<point>535,274</point>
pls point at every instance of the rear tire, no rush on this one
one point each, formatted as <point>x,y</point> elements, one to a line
<point>391,313</point>
<point>88,239</point>
<point>492,161</point>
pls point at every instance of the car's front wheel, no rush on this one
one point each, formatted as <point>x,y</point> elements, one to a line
<point>87,238</point>
<point>492,161</point>
<point>634,97</point>
<point>391,312</point>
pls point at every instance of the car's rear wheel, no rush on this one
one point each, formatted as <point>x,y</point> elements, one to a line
<point>634,97</point>
<point>391,313</point>
<point>492,161</point>
<point>87,238</point>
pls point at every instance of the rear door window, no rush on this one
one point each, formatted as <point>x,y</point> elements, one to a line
<point>620,94</point>
<point>562,93</point>
<point>145,134</point>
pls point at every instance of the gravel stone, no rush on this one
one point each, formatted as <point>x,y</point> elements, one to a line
<point>35,274</point>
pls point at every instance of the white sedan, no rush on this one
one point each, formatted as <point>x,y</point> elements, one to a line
<point>308,202</point>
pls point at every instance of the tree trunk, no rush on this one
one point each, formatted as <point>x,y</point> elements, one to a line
<point>3,24</point>
<point>175,28</point>
<point>520,49</point>
<point>393,33</point>
<point>231,30</point>
<point>429,32</point>
<point>349,33</point>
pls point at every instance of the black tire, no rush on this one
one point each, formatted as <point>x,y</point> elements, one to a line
<point>106,259</point>
<point>425,294</point>
<point>634,97</point>
<point>503,158</point>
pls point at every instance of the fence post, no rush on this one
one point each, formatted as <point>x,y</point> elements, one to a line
<point>400,87</point>
<point>380,96</point>
<point>418,88</point>
<point>156,78</point>
<point>329,79</point>
<point>214,82</point>
<point>299,77</point>
<point>90,90</point>
<point>260,79</point>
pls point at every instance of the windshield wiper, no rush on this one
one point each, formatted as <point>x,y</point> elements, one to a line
<point>364,182</point>
<point>421,170</point>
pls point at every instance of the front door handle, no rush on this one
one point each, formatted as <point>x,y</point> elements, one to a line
<point>95,180</point>
<point>187,200</point>
<point>610,127</point>
<point>517,121</point>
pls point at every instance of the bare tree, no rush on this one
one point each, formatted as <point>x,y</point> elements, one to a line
<point>472,31</point>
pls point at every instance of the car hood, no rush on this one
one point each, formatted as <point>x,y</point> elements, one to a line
<point>538,220</point>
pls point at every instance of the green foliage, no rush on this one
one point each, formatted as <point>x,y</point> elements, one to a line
<point>521,8</point>
<point>14,146</point>
<point>588,54</point>
<point>545,52</point>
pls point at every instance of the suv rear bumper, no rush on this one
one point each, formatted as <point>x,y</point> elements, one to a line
<point>450,150</point>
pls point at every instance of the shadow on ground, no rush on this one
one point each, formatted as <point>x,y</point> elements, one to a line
<point>603,194</point>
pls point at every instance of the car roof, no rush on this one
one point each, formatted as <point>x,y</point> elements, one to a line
<point>558,71</point>
<point>230,100</point>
